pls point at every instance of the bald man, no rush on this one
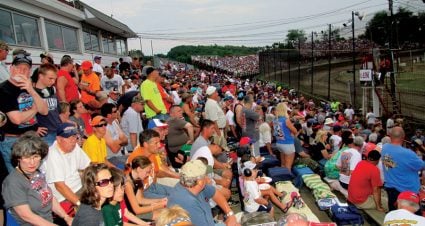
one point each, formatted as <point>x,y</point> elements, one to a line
<point>401,167</point>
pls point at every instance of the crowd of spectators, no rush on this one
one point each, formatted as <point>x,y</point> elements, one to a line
<point>236,65</point>
<point>89,143</point>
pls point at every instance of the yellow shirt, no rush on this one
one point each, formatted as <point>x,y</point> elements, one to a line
<point>95,149</point>
<point>149,91</point>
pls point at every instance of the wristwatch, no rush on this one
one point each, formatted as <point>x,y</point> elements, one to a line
<point>229,214</point>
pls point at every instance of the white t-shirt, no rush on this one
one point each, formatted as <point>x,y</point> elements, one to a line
<point>131,123</point>
<point>204,152</point>
<point>59,166</point>
<point>114,131</point>
<point>265,134</point>
<point>98,68</point>
<point>250,194</point>
<point>370,118</point>
<point>349,112</point>
<point>348,161</point>
<point>230,118</point>
<point>403,217</point>
<point>108,84</point>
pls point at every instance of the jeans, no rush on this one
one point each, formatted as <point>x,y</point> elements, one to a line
<point>6,151</point>
<point>162,117</point>
<point>118,161</point>
<point>392,197</point>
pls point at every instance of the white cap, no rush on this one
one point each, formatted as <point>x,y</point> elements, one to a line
<point>210,90</point>
<point>329,121</point>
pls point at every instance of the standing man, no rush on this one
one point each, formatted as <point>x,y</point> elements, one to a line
<point>97,68</point>
<point>89,83</point>
<point>63,165</point>
<point>111,81</point>
<point>20,102</point>
<point>131,122</point>
<point>154,107</point>
<point>66,85</point>
<point>4,50</point>
<point>215,113</point>
<point>401,167</point>
<point>44,87</point>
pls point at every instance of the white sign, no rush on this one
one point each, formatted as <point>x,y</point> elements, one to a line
<point>365,75</point>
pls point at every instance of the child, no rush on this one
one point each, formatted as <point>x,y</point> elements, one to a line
<point>256,199</point>
<point>116,212</point>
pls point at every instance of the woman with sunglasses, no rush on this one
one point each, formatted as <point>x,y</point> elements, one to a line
<point>141,170</point>
<point>25,191</point>
<point>97,187</point>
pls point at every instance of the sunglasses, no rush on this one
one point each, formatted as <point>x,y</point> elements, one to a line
<point>104,182</point>
<point>100,125</point>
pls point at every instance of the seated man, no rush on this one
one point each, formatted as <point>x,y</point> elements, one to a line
<point>63,165</point>
<point>364,189</point>
<point>115,138</point>
<point>193,190</point>
<point>407,206</point>
<point>150,147</point>
<point>95,145</point>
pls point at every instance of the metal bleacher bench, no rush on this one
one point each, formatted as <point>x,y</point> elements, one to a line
<point>373,214</point>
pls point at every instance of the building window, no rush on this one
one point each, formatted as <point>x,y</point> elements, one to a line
<point>19,29</point>
<point>91,41</point>
<point>121,48</point>
<point>61,37</point>
<point>109,45</point>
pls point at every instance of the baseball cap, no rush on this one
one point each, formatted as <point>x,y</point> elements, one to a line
<point>210,90</point>
<point>97,120</point>
<point>329,121</point>
<point>226,98</point>
<point>46,54</point>
<point>249,165</point>
<point>97,57</point>
<point>86,65</point>
<point>22,58</point>
<point>193,169</point>
<point>4,45</point>
<point>137,99</point>
<point>244,141</point>
<point>66,130</point>
<point>409,196</point>
<point>20,51</point>
<point>153,123</point>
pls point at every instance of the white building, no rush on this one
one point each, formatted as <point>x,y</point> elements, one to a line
<point>62,27</point>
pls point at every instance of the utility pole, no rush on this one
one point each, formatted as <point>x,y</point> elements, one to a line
<point>312,62</point>
<point>390,45</point>
<point>354,60</point>
<point>329,62</point>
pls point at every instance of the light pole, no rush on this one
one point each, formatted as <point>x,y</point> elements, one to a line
<point>354,60</point>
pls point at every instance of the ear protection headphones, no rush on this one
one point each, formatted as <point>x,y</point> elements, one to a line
<point>46,92</point>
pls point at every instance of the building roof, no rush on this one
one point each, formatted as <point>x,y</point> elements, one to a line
<point>101,20</point>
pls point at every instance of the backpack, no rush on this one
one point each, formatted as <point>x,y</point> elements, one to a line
<point>346,215</point>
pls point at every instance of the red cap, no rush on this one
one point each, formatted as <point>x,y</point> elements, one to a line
<point>244,141</point>
<point>86,65</point>
<point>409,196</point>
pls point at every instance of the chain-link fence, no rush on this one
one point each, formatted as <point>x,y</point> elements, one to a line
<point>328,75</point>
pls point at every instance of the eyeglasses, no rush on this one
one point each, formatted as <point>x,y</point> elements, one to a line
<point>104,182</point>
<point>33,158</point>
<point>100,125</point>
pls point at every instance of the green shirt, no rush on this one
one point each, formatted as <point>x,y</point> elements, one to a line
<point>149,91</point>
<point>112,215</point>
<point>331,171</point>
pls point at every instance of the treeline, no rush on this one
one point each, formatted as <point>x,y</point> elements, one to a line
<point>184,53</point>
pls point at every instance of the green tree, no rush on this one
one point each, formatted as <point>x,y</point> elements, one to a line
<point>294,35</point>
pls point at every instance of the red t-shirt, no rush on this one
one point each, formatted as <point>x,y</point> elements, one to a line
<point>363,179</point>
<point>164,96</point>
<point>71,89</point>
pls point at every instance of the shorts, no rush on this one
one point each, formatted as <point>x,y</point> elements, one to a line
<point>263,208</point>
<point>286,149</point>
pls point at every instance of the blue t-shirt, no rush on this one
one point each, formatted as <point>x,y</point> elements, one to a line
<point>198,207</point>
<point>401,168</point>
<point>281,131</point>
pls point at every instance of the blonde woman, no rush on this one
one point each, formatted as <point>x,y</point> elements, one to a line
<point>320,150</point>
<point>284,131</point>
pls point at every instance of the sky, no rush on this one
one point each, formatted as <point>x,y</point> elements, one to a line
<point>169,23</point>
